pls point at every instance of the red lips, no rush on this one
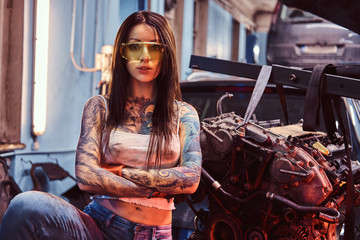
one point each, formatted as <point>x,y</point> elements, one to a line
<point>144,68</point>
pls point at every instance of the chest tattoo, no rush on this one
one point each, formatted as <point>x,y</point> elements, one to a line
<point>139,113</point>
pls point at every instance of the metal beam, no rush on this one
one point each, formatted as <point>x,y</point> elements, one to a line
<point>11,65</point>
<point>334,84</point>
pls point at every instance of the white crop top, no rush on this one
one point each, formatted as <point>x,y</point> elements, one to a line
<point>130,149</point>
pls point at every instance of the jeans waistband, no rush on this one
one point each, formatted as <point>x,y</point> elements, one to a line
<point>107,214</point>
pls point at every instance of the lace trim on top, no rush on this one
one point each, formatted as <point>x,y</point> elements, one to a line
<point>159,203</point>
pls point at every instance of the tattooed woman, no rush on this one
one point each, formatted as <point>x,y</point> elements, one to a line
<point>138,148</point>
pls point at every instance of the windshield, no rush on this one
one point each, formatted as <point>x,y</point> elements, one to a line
<point>269,107</point>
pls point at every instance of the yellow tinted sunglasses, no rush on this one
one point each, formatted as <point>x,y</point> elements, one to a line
<point>134,51</point>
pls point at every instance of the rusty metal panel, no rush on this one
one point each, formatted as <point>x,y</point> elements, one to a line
<point>11,58</point>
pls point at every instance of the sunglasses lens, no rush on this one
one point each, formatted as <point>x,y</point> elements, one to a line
<point>135,51</point>
<point>155,51</point>
<point>132,51</point>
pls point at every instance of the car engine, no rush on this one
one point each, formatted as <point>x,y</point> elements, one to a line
<point>269,183</point>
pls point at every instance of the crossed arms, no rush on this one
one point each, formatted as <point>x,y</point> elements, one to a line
<point>135,182</point>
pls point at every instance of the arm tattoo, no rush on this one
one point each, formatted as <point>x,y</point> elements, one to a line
<point>186,177</point>
<point>89,175</point>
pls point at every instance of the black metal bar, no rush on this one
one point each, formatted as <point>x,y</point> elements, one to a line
<point>334,84</point>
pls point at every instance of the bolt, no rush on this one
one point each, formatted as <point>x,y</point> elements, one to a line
<point>292,77</point>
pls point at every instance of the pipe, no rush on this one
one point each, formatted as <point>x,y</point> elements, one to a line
<point>225,195</point>
<point>326,214</point>
<point>219,102</point>
<point>83,33</point>
<point>72,44</point>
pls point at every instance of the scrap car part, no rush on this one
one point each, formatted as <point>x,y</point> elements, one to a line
<point>223,227</point>
<point>275,181</point>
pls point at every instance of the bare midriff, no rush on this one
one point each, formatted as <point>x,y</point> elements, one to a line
<point>137,213</point>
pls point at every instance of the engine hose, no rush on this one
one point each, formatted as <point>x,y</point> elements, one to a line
<point>225,196</point>
<point>326,214</point>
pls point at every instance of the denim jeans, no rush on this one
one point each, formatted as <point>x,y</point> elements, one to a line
<point>38,215</point>
<point>114,227</point>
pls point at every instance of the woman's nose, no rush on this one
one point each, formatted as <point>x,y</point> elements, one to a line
<point>145,56</point>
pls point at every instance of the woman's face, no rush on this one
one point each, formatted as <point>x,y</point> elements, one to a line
<point>143,60</point>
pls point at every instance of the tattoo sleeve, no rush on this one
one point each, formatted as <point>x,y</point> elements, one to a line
<point>90,176</point>
<point>178,180</point>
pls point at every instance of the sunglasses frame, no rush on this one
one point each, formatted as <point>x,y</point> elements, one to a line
<point>139,43</point>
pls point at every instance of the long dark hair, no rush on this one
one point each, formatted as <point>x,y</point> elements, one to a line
<point>167,83</point>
